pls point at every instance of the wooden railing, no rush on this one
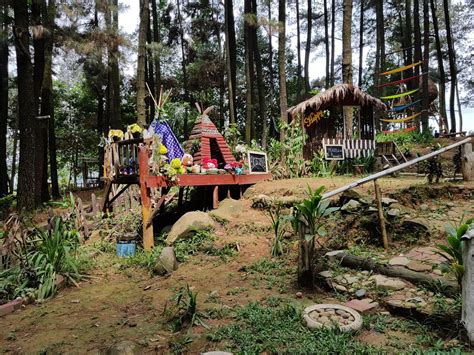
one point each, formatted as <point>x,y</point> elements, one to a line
<point>121,159</point>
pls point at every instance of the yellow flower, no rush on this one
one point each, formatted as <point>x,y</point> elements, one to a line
<point>134,128</point>
<point>176,163</point>
<point>115,133</point>
<point>163,149</point>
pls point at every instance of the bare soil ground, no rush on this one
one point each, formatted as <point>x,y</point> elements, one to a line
<point>118,303</point>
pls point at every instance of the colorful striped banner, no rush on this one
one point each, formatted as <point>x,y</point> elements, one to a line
<point>402,119</point>
<point>401,81</point>
<point>398,70</point>
<point>396,96</point>
<point>403,107</point>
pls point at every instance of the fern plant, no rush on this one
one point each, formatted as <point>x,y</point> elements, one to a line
<point>452,252</point>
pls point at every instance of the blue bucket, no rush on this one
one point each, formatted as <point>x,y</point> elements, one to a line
<point>126,246</point>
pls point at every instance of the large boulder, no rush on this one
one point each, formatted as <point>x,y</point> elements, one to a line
<point>166,262</point>
<point>188,224</point>
<point>228,209</point>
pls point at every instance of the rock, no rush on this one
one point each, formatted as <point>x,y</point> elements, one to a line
<point>386,283</point>
<point>437,272</point>
<point>261,201</point>
<point>347,196</point>
<point>351,206</point>
<point>11,306</point>
<point>166,262</point>
<point>365,272</point>
<point>351,279</point>
<point>400,304</point>
<point>417,266</point>
<point>360,293</point>
<point>361,306</point>
<point>330,255</point>
<point>424,207</point>
<point>324,320</point>
<point>299,294</point>
<point>394,212</point>
<point>326,274</point>
<point>228,209</point>
<point>340,288</point>
<point>188,224</point>
<point>399,260</point>
<point>217,352</point>
<point>387,201</point>
<point>125,347</point>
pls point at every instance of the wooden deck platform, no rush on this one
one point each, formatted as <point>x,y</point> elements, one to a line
<point>158,187</point>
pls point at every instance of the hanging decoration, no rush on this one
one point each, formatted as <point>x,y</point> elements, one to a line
<point>401,120</point>
<point>402,94</point>
<point>404,107</point>
<point>401,81</point>
<point>401,69</point>
<point>405,130</point>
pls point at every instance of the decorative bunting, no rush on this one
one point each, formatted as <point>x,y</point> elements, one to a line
<point>393,83</point>
<point>396,96</point>
<point>405,130</point>
<point>402,119</point>
<point>398,70</point>
<point>403,107</point>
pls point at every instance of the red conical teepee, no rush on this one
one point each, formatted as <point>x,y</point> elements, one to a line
<point>211,143</point>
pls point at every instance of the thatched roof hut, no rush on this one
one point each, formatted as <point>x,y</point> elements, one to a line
<point>322,121</point>
<point>337,96</point>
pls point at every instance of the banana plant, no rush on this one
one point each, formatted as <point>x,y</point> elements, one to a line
<point>452,252</point>
<point>312,213</point>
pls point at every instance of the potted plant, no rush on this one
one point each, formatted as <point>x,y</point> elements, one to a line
<point>115,135</point>
<point>135,130</point>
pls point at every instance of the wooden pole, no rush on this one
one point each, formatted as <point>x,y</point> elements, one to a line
<point>394,169</point>
<point>148,242</point>
<point>215,197</point>
<point>467,164</point>
<point>378,197</point>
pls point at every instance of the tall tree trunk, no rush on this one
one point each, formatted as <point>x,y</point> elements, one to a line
<point>298,52</point>
<point>3,99</point>
<point>452,65</point>
<point>231,58</point>
<point>361,42</point>
<point>442,74</point>
<point>37,8</point>
<point>157,40</point>
<point>151,71</point>
<point>248,71</point>
<point>26,106</point>
<point>281,67</point>
<point>115,118</point>
<point>408,41</point>
<point>425,66</point>
<point>347,62</point>
<point>326,41</point>
<point>307,51</point>
<point>16,135</point>
<point>417,34</point>
<point>260,82</point>
<point>183,67</point>
<point>459,106</point>
<point>141,89</point>
<point>333,29</point>
<point>271,71</point>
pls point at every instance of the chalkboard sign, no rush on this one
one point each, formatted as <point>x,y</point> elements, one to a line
<point>334,151</point>
<point>257,162</point>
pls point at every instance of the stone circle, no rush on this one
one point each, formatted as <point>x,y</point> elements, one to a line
<point>331,316</point>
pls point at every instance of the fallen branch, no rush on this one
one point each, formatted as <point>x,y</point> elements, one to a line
<point>432,283</point>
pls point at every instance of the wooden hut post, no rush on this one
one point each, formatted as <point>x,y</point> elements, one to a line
<point>145,193</point>
<point>378,196</point>
<point>467,162</point>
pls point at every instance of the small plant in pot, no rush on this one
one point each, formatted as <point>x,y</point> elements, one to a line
<point>115,135</point>
<point>135,130</point>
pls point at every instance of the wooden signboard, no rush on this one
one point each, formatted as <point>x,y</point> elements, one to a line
<point>257,162</point>
<point>334,151</point>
